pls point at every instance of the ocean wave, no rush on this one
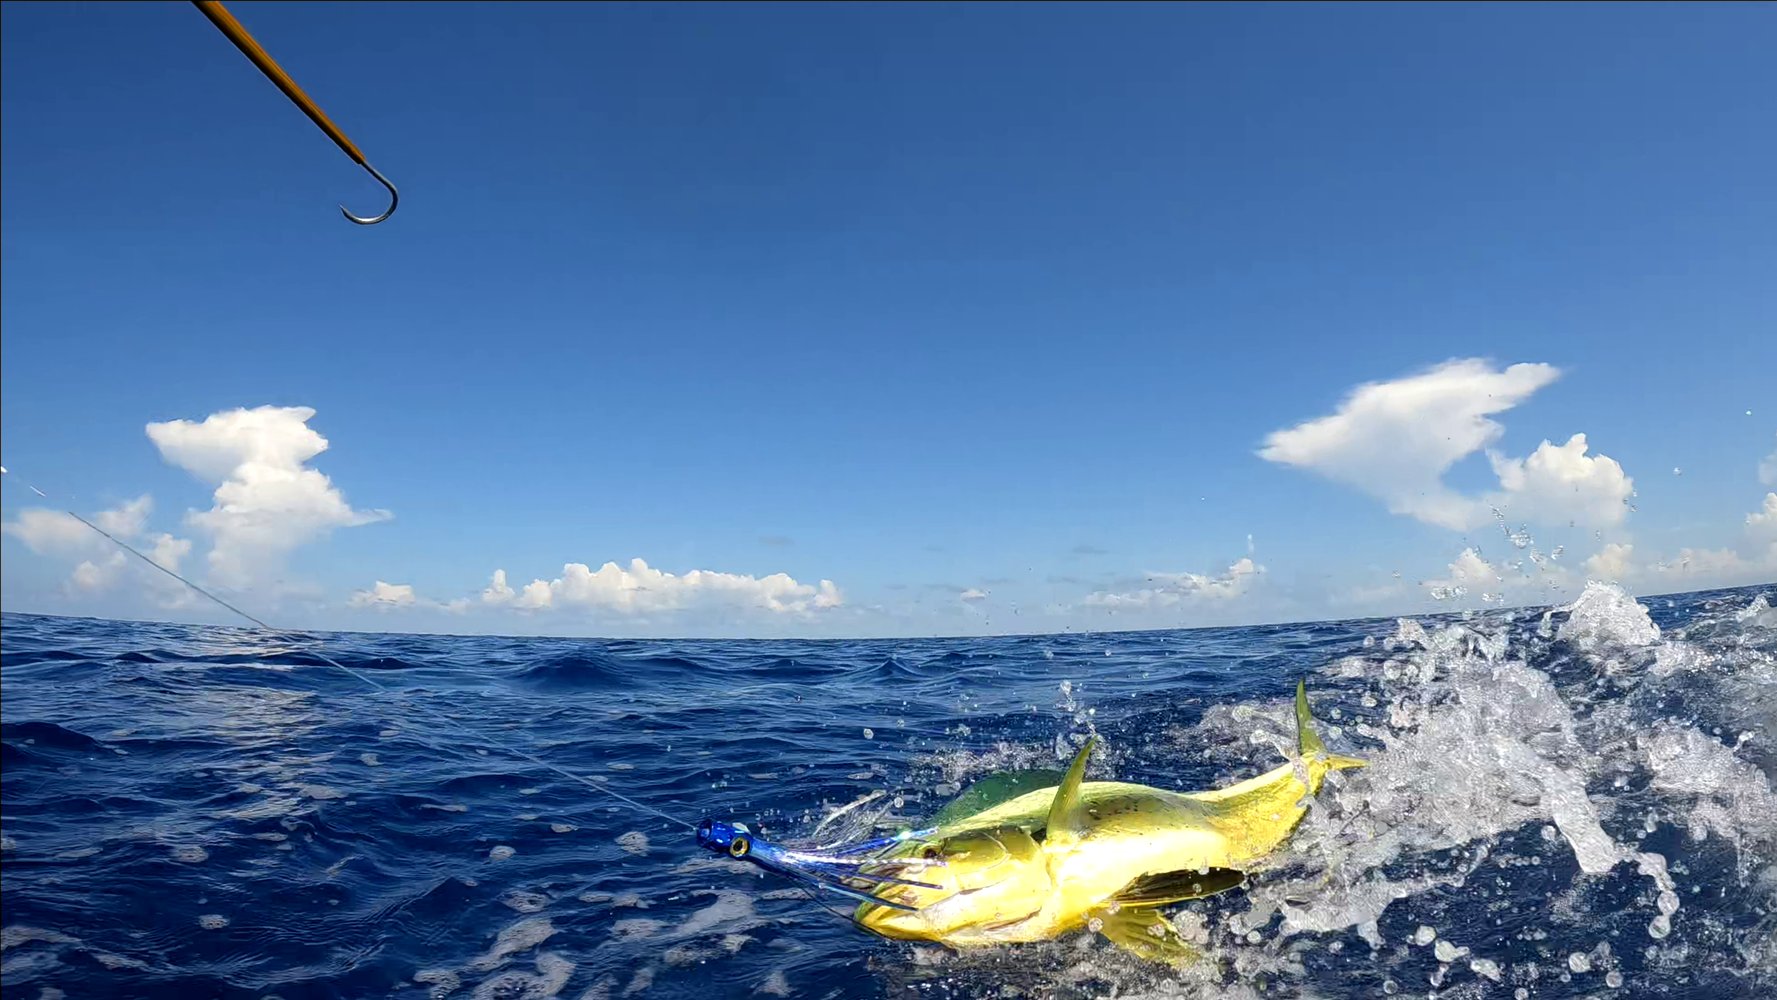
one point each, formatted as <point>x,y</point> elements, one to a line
<point>1566,802</point>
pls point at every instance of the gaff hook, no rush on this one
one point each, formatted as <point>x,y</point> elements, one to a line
<point>226,23</point>
<point>394,199</point>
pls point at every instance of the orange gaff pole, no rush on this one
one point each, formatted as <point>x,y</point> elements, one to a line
<point>226,23</point>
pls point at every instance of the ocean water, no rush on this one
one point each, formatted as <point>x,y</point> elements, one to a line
<point>1575,802</point>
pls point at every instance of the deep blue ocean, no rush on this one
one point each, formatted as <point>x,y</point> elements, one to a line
<point>1575,802</point>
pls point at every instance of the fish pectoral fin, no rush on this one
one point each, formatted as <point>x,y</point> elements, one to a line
<point>1145,933</point>
<point>1172,887</point>
<point>1067,819</point>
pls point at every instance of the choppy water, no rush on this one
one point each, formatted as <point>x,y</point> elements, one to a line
<point>1577,804</point>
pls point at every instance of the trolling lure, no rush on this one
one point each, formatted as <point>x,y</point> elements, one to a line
<point>847,869</point>
<point>226,23</point>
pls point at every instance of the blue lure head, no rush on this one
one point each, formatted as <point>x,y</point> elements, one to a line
<point>853,870</point>
<point>732,839</point>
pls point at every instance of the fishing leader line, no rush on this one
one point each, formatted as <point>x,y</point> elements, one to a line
<point>312,646</point>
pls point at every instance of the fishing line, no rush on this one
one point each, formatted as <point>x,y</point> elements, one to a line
<point>597,785</point>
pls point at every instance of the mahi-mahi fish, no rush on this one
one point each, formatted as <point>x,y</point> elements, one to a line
<point>1024,857</point>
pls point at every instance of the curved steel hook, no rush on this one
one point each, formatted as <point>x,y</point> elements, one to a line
<point>394,200</point>
<point>236,33</point>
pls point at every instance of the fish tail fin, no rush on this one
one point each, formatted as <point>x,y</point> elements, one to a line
<point>1309,745</point>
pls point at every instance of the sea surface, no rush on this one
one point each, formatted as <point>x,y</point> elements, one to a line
<point>1568,802</point>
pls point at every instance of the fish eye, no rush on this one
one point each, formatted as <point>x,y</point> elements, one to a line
<point>740,846</point>
<point>929,851</point>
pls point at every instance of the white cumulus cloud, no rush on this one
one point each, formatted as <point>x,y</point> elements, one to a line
<point>90,575</point>
<point>1761,530</point>
<point>1698,568</point>
<point>127,519</point>
<point>100,563</point>
<point>972,594</point>
<point>167,550</point>
<point>1767,470</point>
<point>268,500</point>
<point>1562,483</point>
<point>1613,563</point>
<point>385,596</point>
<point>1395,440</point>
<point>1468,573</point>
<point>46,531</point>
<point>640,588</point>
<point>498,591</point>
<point>1165,590</point>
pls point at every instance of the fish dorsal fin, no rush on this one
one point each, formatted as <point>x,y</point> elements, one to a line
<point>1161,888</point>
<point>1067,820</point>
<point>996,789</point>
<point>1308,742</point>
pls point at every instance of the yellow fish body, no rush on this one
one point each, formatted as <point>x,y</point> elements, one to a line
<point>1100,854</point>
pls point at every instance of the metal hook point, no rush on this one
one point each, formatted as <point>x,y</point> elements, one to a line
<point>394,200</point>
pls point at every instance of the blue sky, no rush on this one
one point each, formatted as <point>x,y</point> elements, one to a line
<point>984,314</point>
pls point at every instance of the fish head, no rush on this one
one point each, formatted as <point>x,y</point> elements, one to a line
<point>981,879</point>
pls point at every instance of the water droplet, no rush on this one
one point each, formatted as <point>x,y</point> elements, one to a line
<point>1447,952</point>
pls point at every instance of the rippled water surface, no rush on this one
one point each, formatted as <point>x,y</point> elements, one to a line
<point>1571,804</point>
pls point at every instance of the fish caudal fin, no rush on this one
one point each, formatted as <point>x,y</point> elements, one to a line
<point>1308,742</point>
